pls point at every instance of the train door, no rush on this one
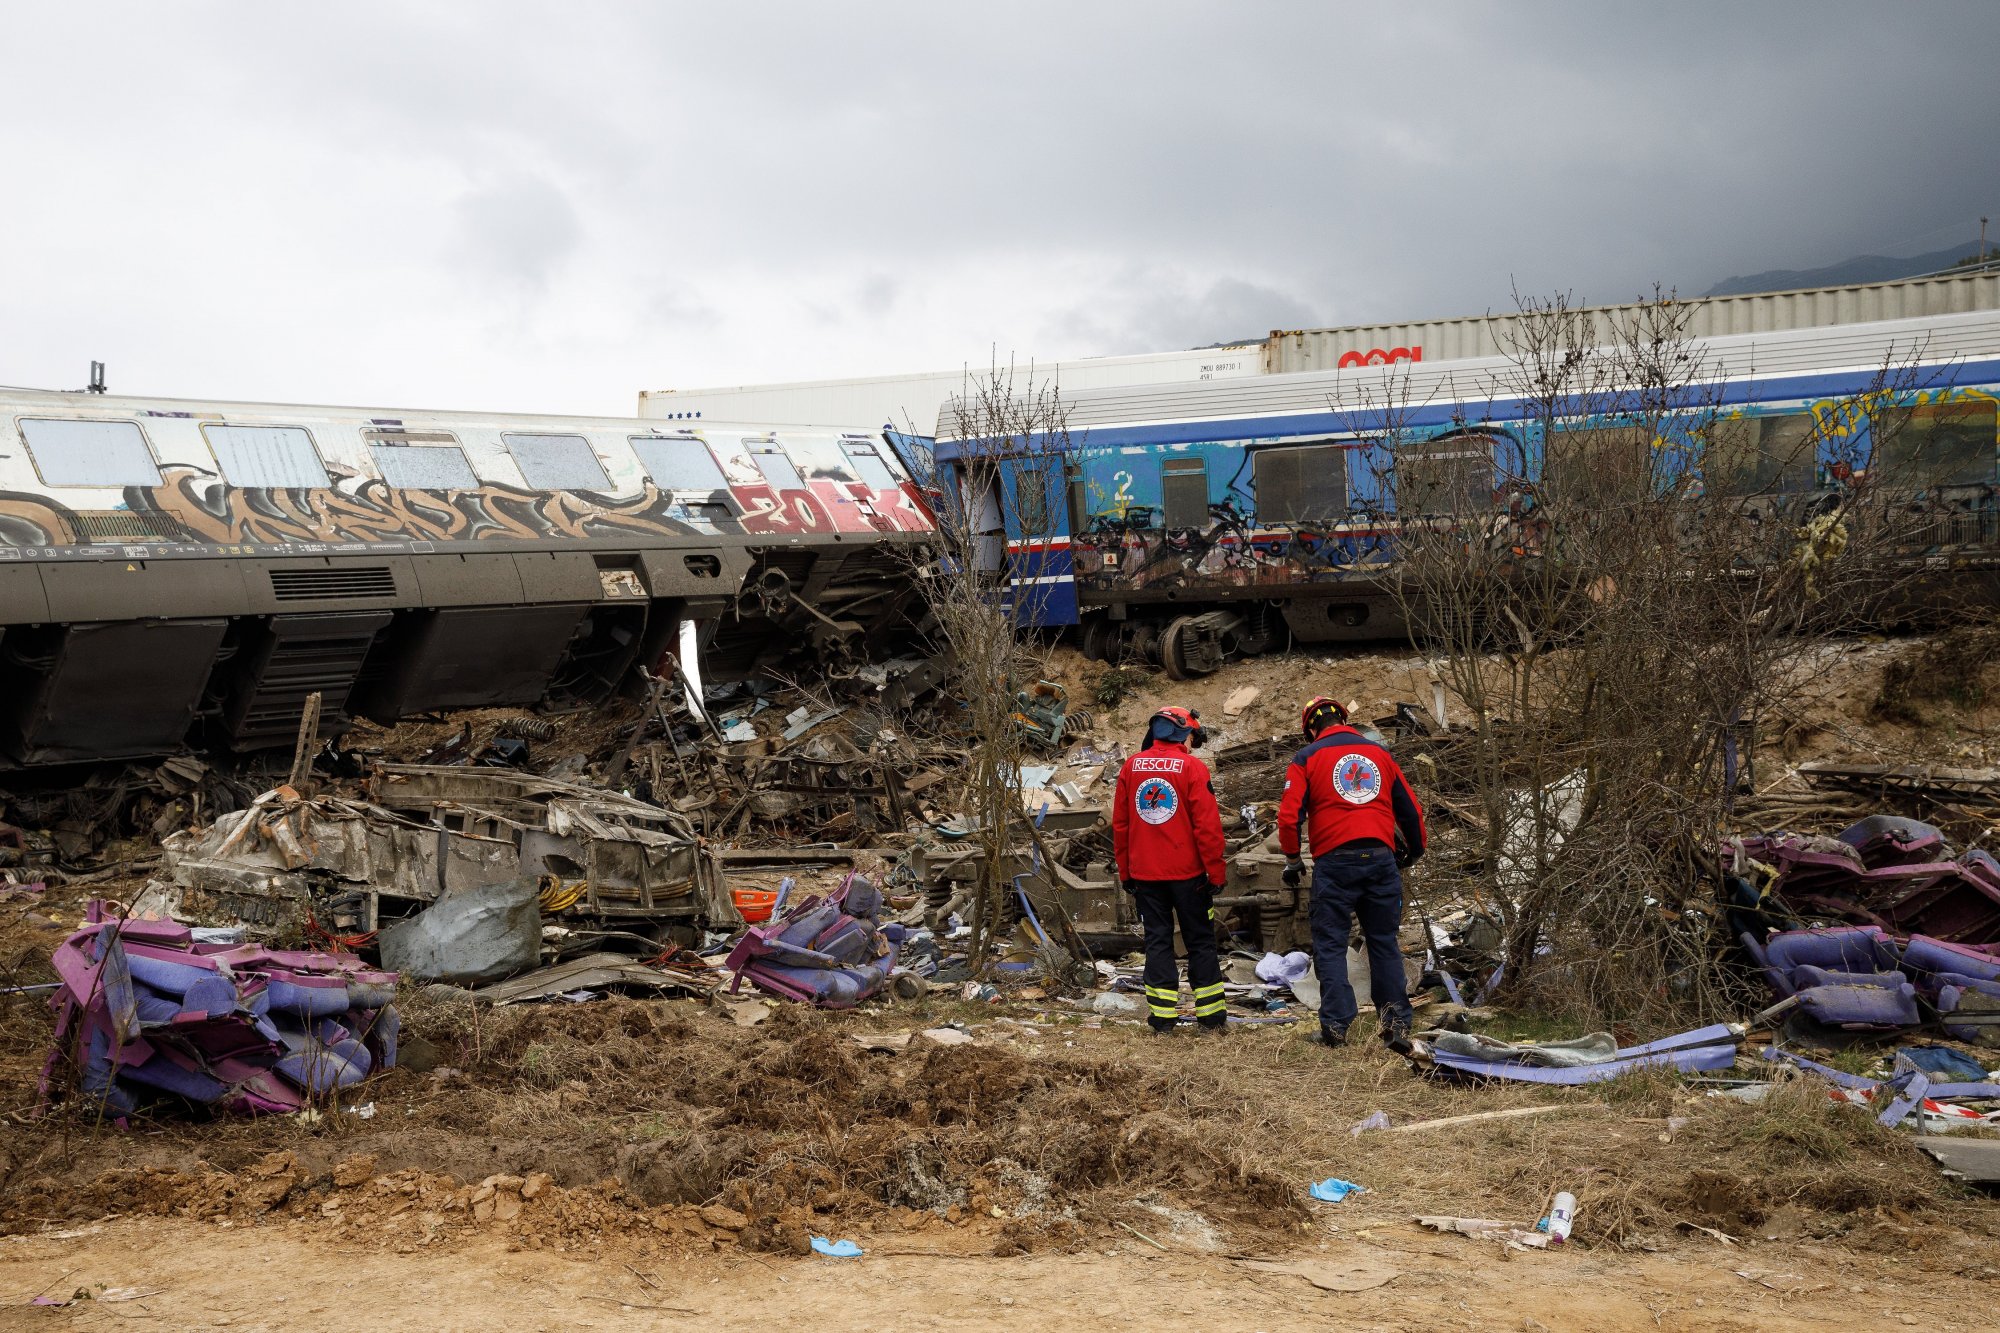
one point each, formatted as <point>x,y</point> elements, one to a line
<point>1041,574</point>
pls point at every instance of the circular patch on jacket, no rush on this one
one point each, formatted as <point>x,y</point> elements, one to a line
<point>1356,779</point>
<point>1156,800</point>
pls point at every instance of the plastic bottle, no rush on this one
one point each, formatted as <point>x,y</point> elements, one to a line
<point>1561,1213</point>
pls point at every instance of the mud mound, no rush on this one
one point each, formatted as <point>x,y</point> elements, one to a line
<point>631,1113</point>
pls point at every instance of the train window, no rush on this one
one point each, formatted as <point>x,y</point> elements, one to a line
<point>679,463</point>
<point>1761,455</point>
<point>1183,493</point>
<point>1936,444</point>
<point>89,453</point>
<point>1599,464</point>
<point>1031,499</point>
<point>868,464</point>
<point>424,467</point>
<point>557,462</point>
<point>1451,475</point>
<point>273,456</point>
<point>1306,484</point>
<point>777,469</point>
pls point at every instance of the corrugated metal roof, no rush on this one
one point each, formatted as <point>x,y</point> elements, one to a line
<point>1289,351</point>
<point>1733,358</point>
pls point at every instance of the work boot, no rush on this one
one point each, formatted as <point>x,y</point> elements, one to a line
<point>1208,1029</point>
<point>1162,1029</point>
<point>1332,1035</point>
<point>1395,1030</point>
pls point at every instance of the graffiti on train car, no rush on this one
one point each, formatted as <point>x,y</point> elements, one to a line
<point>1126,551</point>
<point>199,507</point>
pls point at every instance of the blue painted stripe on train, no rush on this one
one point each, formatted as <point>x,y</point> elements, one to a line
<point>1972,374</point>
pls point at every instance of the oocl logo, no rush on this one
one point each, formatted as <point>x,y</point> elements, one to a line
<point>1380,356</point>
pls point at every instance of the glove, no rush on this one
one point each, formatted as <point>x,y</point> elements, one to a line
<point>1295,872</point>
<point>1215,888</point>
<point>1128,886</point>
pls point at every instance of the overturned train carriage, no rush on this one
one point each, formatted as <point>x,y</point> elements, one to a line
<point>177,572</point>
<point>1188,523</point>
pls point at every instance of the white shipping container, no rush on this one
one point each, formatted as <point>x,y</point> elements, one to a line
<point>912,401</point>
<point>1433,340</point>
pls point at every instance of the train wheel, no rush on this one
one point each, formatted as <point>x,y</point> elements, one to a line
<point>1172,660</point>
<point>1100,640</point>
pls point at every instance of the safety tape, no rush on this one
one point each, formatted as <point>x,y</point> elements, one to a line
<point>1171,994</point>
<point>1208,992</point>
<point>1164,1010</point>
<point>1212,1007</point>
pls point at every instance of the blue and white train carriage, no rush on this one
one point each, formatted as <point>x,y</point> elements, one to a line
<point>1196,521</point>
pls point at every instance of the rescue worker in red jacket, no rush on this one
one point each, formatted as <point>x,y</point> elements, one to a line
<point>1365,826</point>
<point>1166,835</point>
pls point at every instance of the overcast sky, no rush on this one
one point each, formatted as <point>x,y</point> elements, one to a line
<point>552,206</point>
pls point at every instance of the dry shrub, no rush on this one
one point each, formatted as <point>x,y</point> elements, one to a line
<point>1797,1148</point>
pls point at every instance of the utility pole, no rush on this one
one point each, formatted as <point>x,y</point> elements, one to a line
<point>1982,240</point>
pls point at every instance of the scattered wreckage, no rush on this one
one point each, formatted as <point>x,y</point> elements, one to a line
<point>1880,927</point>
<point>774,839</point>
<point>339,868</point>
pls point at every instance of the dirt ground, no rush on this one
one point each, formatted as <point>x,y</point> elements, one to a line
<point>184,1274</point>
<point>632,1163</point>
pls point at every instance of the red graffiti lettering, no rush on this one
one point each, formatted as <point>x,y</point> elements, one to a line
<point>1380,356</point>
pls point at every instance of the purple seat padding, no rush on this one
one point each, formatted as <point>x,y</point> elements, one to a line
<point>318,1071</point>
<point>169,970</point>
<point>211,995</point>
<point>171,1076</point>
<point>1870,1006</point>
<point>1835,948</point>
<point>1806,976</point>
<point>307,996</point>
<point>221,1023</point>
<point>380,1030</point>
<point>829,951</point>
<point>1690,1060</point>
<point>1891,840</point>
<point>1972,995</point>
<point>1924,954</point>
<point>834,988</point>
<point>153,1007</point>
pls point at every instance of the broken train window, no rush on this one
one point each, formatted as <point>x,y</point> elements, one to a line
<point>89,453</point>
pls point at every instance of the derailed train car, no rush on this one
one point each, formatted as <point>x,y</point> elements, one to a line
<point>1187,523</point>
<point>177,572</point>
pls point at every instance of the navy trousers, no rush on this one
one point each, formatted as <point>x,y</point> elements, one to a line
<point>1160,902</point>
<point>1359,880</point>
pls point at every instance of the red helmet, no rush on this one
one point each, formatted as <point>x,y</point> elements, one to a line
<point>1187,720</point>
<point>1319,714</point>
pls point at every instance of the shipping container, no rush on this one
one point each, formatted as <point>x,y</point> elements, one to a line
<point>903,401</point>
<point>1474,336</point>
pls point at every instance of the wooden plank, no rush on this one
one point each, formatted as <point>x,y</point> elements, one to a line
<point>1512,1114</point>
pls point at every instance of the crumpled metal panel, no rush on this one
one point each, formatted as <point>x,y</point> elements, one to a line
<point>277,847</point>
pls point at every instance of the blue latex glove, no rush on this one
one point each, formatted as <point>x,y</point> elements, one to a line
<point>1333,1190</point>
<point>835,1249</point>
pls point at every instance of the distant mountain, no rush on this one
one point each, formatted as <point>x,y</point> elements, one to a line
<point>1862,268</point>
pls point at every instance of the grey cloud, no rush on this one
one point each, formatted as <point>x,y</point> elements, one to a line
<point>739,193</point>
<point>1160,313</point>
<point>518,230</point>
